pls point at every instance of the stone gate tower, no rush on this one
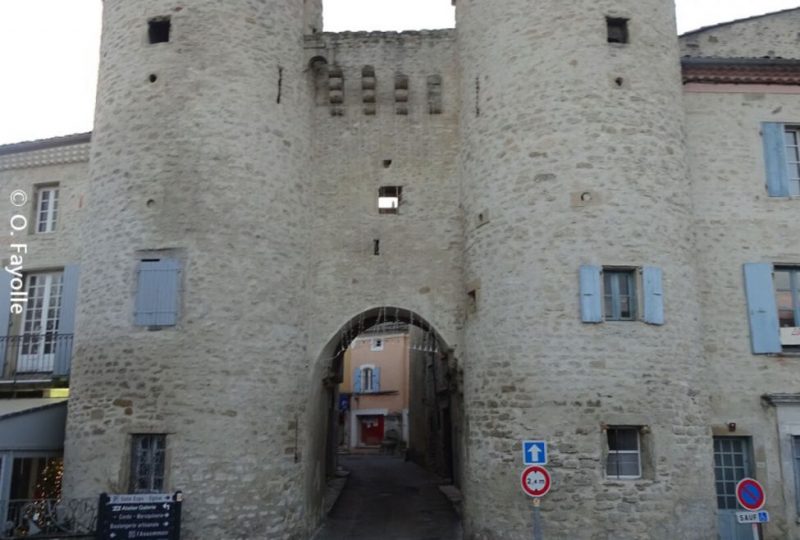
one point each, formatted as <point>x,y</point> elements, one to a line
<point>200,166</point>
<point>571,168</point>
<point>572,141</point>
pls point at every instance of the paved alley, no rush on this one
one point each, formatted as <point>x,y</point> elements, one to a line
<point>387,498</point>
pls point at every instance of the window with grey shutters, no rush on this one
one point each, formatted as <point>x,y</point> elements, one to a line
<point>148,463</point>
<point>157,293</point>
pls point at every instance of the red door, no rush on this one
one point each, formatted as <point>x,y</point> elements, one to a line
<point>371,430</point>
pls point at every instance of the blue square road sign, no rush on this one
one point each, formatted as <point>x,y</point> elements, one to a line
<point>534,452</point>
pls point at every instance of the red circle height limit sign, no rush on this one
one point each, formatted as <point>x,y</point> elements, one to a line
<point>750,494</point>
<point>535,481</point>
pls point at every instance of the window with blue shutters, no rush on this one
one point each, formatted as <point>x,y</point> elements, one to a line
<point>591,302</point>
<point>762,308</point>
<point>653,294</point>
<point>157,293</point>
<point>613,294</point>
<point>782,158</point>
<point>367,379</point>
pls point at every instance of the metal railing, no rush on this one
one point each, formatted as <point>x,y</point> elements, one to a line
<point>35,357</point>
<point>48,518</point>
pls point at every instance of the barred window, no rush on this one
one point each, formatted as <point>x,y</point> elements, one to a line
<point>624,453</point>
<point>147,463</point>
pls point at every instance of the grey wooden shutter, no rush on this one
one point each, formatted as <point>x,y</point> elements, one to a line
<point>775,159</point>
<point>762,308</point>
<point>66,320</point>
<point>5,318</point>
<point>591,299</point>
<point>652,279</point>
<point>157,293</point>
<point>376,379</point>
<point>357,381</point>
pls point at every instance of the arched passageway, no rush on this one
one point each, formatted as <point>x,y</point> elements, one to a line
<point>387,397</point>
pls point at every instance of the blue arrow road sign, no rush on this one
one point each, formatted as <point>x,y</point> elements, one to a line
<point>534,452</point>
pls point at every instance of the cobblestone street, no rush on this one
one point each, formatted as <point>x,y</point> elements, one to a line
<point>387,498</point>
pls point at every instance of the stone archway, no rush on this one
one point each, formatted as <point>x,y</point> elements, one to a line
<point>435,379</point>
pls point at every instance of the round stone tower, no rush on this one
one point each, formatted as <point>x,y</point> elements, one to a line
<point>199,172</point>
<point>572,155</point>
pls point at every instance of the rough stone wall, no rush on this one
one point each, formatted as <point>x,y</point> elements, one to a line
<point>550,111</point>
<point>419,265</point>
<point>46,251</point>
<point>204,161</point>
<point>773,35</point>
<point>736,223</point>
<point>419,261</point>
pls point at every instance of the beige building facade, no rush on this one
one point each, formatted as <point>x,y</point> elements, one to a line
<point>375,389</point>
<point>592,219</point>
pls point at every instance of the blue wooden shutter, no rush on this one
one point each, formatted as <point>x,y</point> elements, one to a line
<point>652,281</point>
<point>66,320</point>
<point>157,293</point>
<point>764,329</point>
<point>5,313</point>
<point>376,379</point>
<point>357,381</point>
<point>591,299</point>
<point>775,159</point>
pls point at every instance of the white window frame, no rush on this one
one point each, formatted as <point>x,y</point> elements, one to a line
<point>792,158</point>
<point>367,368</point>
<point>638,453</point>
<point>613,301</point>
<point>46,213</point>
<point>793,291</point>
<point>153,474</point>
<point>795,442</point>
<point>376,344</point>
<point>39,335</point>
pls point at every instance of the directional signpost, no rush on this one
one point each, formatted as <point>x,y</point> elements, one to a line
<point>534,452</point>
<point>750,495</point>
<point>535,479</point>
<point>154,516</point>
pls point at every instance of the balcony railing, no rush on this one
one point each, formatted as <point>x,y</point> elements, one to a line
<point>35,357</point>
<point>48,518</point>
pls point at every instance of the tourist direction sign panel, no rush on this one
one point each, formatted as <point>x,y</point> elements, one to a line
<point>154,516</point>
<point>534,452</point>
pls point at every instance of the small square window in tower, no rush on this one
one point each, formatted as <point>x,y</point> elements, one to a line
<point>158,30</point>
<point>624,453</point>
<point>389,199</point>
<point>617,30</point>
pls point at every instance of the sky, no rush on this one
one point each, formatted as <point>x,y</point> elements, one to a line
<point>49,50</point>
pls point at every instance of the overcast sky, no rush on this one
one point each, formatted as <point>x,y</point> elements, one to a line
<point>49,50</point>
